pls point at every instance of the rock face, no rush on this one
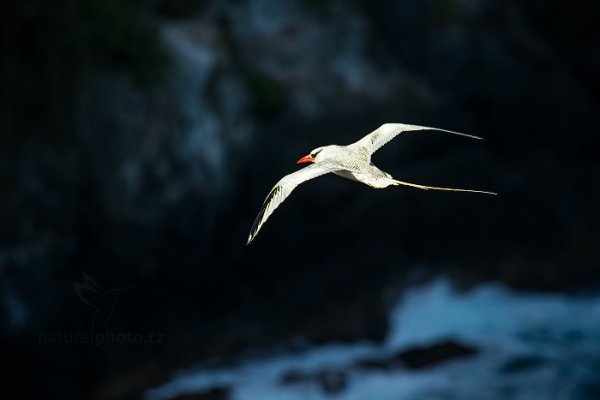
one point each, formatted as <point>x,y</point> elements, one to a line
<point>423,357</point>
<point>420,357</point>
<point>156,186</point>
<point>320,56</point>
<point>153,148</point>
<point>213,394</point>
<point>335,380</point>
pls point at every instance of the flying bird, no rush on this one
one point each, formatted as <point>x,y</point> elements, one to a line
<point>352,162</point>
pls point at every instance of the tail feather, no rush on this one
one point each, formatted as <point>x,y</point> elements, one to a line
<point>397,182</point>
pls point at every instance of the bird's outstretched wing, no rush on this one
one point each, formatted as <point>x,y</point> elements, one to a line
<point>282,190</point>
<point>386,132</point>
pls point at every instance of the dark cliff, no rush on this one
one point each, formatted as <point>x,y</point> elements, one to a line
<point>140,138</point>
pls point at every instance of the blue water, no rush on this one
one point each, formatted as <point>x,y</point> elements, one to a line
<point>532,346</point>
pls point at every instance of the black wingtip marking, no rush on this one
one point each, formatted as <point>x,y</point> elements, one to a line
<point>254,229</point>
<point>261,213</point>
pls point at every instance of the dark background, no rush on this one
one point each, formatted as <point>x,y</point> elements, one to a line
<point>139,138</point>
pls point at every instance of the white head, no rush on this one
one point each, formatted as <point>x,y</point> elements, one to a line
<point>318,154</point>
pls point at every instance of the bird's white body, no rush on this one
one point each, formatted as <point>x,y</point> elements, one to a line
<point>349,162</point>
<point>352,162</point>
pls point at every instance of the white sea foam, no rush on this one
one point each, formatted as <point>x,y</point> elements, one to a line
<point>532,346</point>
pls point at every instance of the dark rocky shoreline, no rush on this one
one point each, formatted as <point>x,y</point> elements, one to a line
<point>155,185</point>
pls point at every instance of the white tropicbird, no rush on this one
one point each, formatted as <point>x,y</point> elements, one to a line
<point>352,162</point>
